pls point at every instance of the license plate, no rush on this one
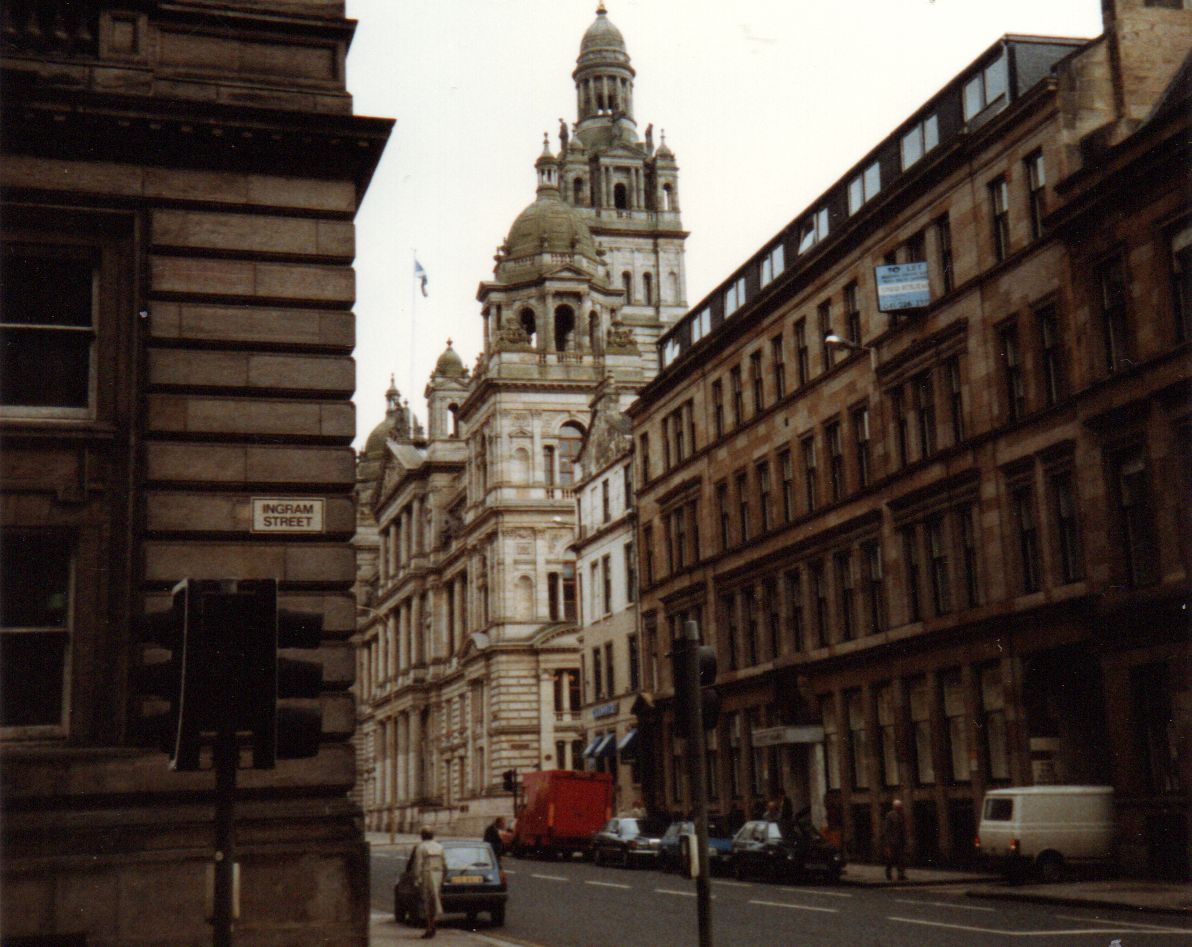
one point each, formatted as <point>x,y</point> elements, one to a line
<point>466,880</point>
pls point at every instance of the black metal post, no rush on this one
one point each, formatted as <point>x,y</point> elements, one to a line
<point>696,764</point>
<point>227,760</point>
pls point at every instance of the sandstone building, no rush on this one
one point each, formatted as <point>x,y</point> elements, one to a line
<point>948,550</point>
<point>469,664</point>
<point>179,186</point>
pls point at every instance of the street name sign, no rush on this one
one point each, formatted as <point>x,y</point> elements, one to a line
<point>287,514</point>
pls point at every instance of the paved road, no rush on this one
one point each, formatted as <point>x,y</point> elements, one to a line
<point>575,904</point>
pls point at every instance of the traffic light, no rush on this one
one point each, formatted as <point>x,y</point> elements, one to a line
<point>509,780</point>
<point>299,682</point>
<point>159,678</point>
<point>705,670</point>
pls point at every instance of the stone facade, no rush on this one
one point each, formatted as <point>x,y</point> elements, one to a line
<point>181,183</point>
<point>468,651</point>
<point>945,552</point>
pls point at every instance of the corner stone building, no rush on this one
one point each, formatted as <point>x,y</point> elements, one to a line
<point>179,184</point>
<point>949,552</point>
<point>468,655</point>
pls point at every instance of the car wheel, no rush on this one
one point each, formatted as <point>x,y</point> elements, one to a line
<point>597,858</point>
<point>1051,868</point>
<point>737,870</point>
<point>498,915</point>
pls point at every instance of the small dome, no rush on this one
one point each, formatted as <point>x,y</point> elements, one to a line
<point>449,362</point>
<point>549,225</point>
<point>603,37</point>
<point>375,445</point>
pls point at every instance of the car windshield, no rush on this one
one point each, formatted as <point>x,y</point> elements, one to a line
<point>652,827</point>
<point>468,856</point>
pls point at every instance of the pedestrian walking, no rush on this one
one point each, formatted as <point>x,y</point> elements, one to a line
<point>429,867</point>
<point>492,835</point>
<point>894,840</point>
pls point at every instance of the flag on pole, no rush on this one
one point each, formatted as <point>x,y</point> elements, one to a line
<point>420,275</point>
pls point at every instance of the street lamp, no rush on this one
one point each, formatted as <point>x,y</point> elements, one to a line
<point>840,342</point>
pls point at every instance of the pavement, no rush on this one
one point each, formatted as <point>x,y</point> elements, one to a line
<point>1152,896</point>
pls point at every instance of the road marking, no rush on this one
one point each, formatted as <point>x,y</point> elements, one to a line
<point>734,884</point>
<point>607,884</point>
<point>1062,933</point>
<point>959,907</point>
<point>550,877</point>
<point>797,907</point>
<point>826,894</point>
<point>685,894</point>
<point>1141,927</point>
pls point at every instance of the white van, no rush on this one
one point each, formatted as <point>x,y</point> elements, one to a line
<point>1047,827</point>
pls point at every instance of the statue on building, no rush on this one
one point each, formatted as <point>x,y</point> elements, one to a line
<point>650,138</point>
<point>564,135</point>
<point>620,340</point>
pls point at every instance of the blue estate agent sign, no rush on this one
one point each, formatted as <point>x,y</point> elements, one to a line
<point>604,710</point>
<point>903,286</point>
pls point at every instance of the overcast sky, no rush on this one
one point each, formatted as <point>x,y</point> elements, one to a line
<point>764,102</point>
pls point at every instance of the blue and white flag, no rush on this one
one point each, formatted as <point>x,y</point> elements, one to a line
<point>420,275</point>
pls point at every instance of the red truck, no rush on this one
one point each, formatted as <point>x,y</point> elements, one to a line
<point>563,809</point>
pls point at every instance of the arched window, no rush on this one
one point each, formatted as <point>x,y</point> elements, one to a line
<point>668,197</point>
<point>627,285</point>
<point>564,328</point>
<point>528,322</point>
<point>453,410</point>
<point>648,289</point>
<point>620,196</point>
<point>594,331</point>
<point>673,279</point>
<point>577,188</point>
<point>571,439</point>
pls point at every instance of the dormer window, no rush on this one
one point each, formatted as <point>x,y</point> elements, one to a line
<point>919,140</point>
<point>734,296</point>
<point>985,88</point>
<point>670,351</point>
<point>773,263</point>
<point>864,187</point>
<point>815,229</point>
<point>701,324</point>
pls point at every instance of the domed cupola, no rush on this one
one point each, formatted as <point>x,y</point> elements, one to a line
<point>602,42</point>
<point>603,83</point>
<point>548,226</point>
<point>450,363</point>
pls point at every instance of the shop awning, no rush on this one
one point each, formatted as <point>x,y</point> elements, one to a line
<point>628,745</point>
<point>606,747</point>
<point>590,749</point>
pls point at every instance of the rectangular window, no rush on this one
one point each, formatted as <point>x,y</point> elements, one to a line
<point>1066,529</point>
<point>671,350</point>
<point>667,451</point>
<point>630,555</point>
<point>755,378</point>
<point>722,515</point>
<point>999,203</point>
<point>831,741</point>
<point>943,244</point>
<point>955,398</point>
<point>919,140</point>
<point>718,409</point>
<point>887,740</point>
<point>597,672</point>
<point>985,88</point>
<point>924,394</point>
<point>871,554</point>
<point>864,187</point>
<point>1015,385</point>
<point>772,265</point>
<point>852,313</point>
<point>794,608</point>
<point>1111,283</point>
<point>919,691</point>
<point>594,587</point>
<point>610,669</point>
<point>901,426</point>
<point>858,743</point>
<point>968,546</point>
<point>941,582</point>
<point>764,498</point>
<point>1051,355</point>
<point>627,485</point>
<point>728,608</point>
<point>835,459</point>
<point>845,595</point>
<point>861,444</point>
<point>644,457</point>
<point>802,353</point>
<point>1036,177</point>
<point>1028,537</point>
<point>810,487</point>
<point>915,248</point>
<point>1155,736</point>
<point>993,711</point>
<point>910,560</point>
<point>743,507</point>
<point>689,425</point>
<point>779,367</point>
<point>605,504</point>
<point>814,229</point>
<point>48,314</point>
<point>734,296</point>
<point>701,324</point>
<point>824,316</point>
<point>734,379</point>
<point>1134,510</point>
<point>788,486</point>
<point>692,513</point>
<point>952,685</point>
<point>819,590</point>
<point>678,523</point>
<point>773,623</point>
<point>36,618</point>
<point>648,553</point>
<point>1181,280</point>
<point>749,601</point>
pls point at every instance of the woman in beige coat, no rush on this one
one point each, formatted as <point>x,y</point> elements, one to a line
<point>429,866</point>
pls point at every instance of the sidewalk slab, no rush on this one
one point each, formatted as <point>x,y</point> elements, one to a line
<point>865,875</point>
<point>1150,896</point>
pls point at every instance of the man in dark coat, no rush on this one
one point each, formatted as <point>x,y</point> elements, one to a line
<point>492,835</point>
<point>894,839</point>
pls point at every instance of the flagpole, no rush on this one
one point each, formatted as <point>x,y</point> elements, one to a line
<point>413,280</point>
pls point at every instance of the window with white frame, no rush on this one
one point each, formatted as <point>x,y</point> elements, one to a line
<point>701,324</point>
<point>670,351</point>
<point>985,88</point>
<point>815,229</point>
<point>773,263</point>
<point>734,296</point>
<point>864,187</point>
<point>920,139</point>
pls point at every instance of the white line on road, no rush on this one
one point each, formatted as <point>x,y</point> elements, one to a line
<point>1141,927</point>
<point>607,884</point>
<point>959,907</point>
<point>686,894</point>
<point>826,894</point>
<point>550,877</point>
<point>1064,933</point>
<point>797,907</point>
<point>734,884</point>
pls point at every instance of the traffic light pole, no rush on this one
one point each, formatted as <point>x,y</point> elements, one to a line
<point>227,761</point>
<point>696,757</point>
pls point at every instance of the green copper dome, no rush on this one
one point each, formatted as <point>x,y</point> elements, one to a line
<point>550,226</point>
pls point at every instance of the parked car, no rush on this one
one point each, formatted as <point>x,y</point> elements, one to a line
<point>473,882</point>
<point>720,845</point>
<point>1047,829</point>
<point>628,842</point>
<point>784,852</point>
